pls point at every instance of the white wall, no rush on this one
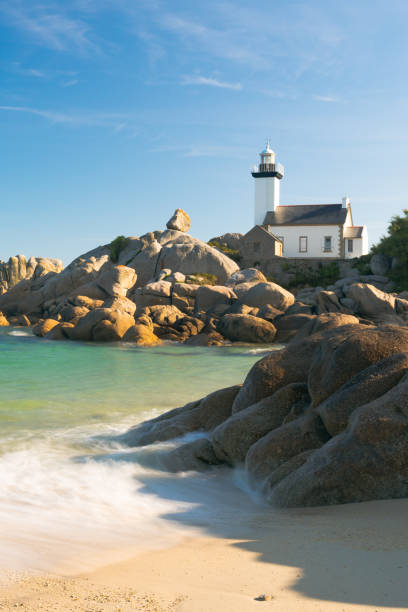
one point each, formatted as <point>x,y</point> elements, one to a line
<point>315,239</point>
<point>266,196</point>
<point>360,245</point>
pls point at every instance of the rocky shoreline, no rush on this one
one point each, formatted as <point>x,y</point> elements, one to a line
<point>322,421</point>
<point>169,286</point>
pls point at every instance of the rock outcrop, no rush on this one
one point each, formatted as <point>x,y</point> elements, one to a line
<point>18,268</point>
<point>323,421</point>
<point>180,221</point>
<point>368,460</point>
<point>173,271</point>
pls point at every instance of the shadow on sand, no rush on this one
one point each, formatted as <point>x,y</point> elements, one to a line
<point>354,553</point>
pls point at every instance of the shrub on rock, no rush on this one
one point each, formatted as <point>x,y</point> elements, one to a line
<point>196,257</point>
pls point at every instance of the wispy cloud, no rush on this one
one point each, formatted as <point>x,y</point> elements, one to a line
<point>69,83</point>
<point>201,80</point>
<point>116,121</point>
<point>16,67</point>
<point>219,42</point>
<point>328,99</point>
<point>35,73</point>
<point>49,26</point>
<point>205,150</point>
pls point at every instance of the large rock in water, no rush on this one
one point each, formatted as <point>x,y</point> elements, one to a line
<point>233,438</point>
<point>43,327</point>
<point>141,335</point>
<point>246,328</point>
<point>259,294</point>
<point>102,325</point>
<point>3,320</point>
<point>202,415</point>
<point>368,461</point>
<point>179,221</point>
<point>348,350</point>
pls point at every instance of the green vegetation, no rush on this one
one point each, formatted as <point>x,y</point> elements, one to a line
<point>231,253</point>
<point>324,275</point>
<point>202,279</point>
<point>362,264</point>
<point>395,244</point>
<point>116,246</point>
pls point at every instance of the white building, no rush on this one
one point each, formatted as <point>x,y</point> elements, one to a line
<point>306,230</point>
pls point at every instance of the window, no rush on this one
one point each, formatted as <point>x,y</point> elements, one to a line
<point>281,238</point>
<point>302,244</point>
<point>327,244</point>
<point>349,246</point>
<point>257,246</point>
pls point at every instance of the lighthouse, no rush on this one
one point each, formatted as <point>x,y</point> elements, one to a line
<point>267,177</point>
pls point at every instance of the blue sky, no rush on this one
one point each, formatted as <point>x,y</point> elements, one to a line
<point>115,112</point>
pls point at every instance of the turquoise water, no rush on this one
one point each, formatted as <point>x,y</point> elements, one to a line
<point>68,493</point>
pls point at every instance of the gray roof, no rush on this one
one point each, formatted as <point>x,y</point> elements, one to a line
<point>307,214</point>
<point>353,232</point>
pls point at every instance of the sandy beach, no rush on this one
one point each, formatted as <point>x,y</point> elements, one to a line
<point>339,558</point>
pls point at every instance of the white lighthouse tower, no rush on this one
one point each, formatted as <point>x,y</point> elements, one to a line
<point>267,181</point>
